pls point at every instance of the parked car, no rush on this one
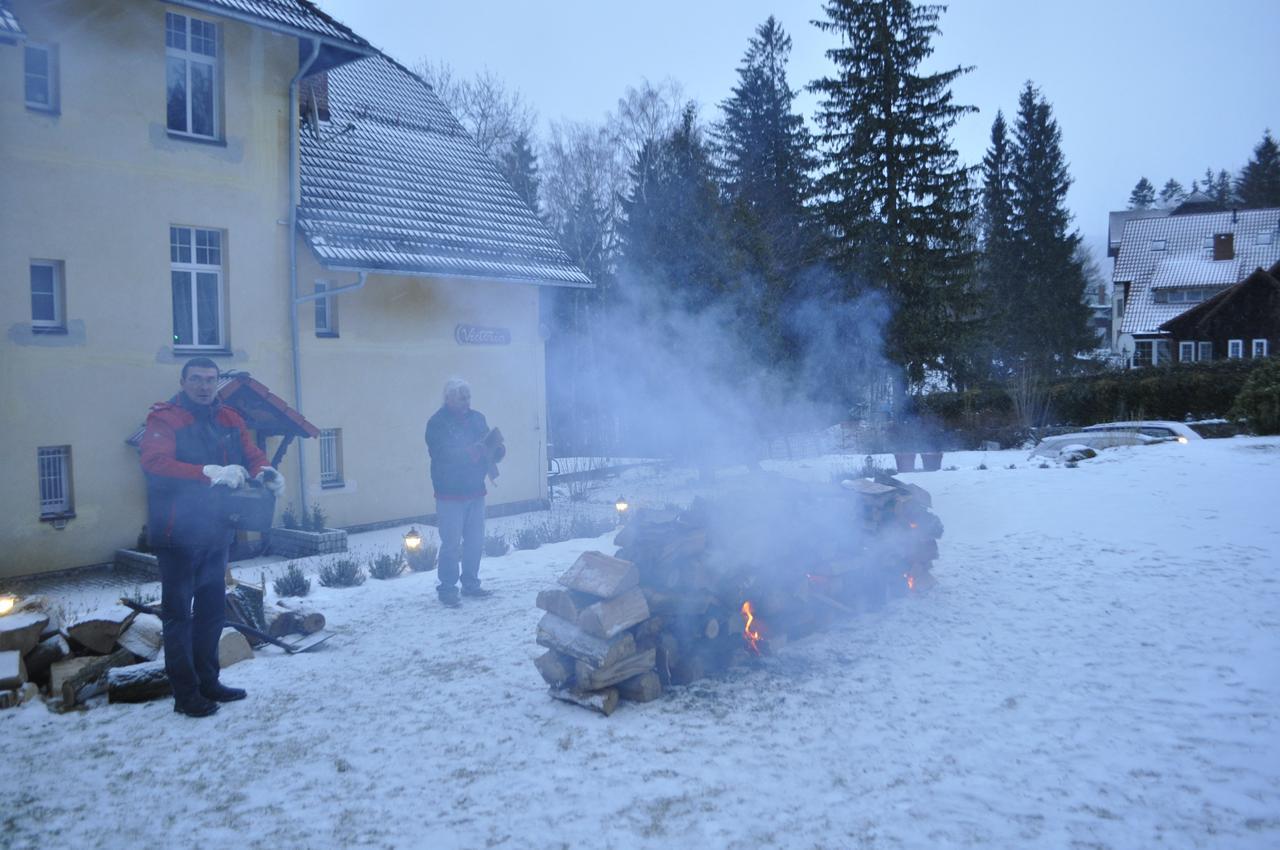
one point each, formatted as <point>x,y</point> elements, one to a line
<point>1100,439</point>
<point>1179,431</point>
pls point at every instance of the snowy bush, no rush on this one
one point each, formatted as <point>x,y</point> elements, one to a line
<point>495,545</point>
<point>531,536</point>
<point>422,559</point>
<point>316,518</point>
<point>385,565</point>
<point>289,518</point>
<point>292,583</point>
<point>1259,400</point>
<point>342,572</point>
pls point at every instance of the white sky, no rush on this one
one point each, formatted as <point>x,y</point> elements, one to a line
<point>1161,88</point>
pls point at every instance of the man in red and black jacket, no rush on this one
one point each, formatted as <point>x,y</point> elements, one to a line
<point>193,445</point>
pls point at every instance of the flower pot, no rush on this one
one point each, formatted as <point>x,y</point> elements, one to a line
<point>931,461</point>
<point>906,461</point>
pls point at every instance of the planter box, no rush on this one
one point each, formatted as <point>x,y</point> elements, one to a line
<point>134,560</point>
<point>296,543</point>
<point>932,461</point>
<point>906,461</point>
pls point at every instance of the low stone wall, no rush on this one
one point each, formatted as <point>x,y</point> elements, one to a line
<point>133,559</point>
<point>296,543</point>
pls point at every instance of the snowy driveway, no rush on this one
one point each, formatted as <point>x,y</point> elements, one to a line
<point>1098,667</point>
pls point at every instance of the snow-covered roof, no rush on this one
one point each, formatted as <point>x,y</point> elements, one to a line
<point>10,29</point>
<point>300,16</point>
<point>1177,251</point>
<point>393,183</point>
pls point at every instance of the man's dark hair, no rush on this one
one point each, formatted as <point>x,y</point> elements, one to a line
<point>198,363</point>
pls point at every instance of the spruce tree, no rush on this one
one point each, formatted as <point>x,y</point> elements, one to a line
<point>897,202</point>
<point>1143,196</point>
<point>1051,321</point>
<point>1172,193</point>
<point>998,259</point>
<point>1259,183</point>
<point>765,156</point>
<point>520,166</point>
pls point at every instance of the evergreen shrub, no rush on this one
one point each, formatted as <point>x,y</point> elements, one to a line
<point>292,583</point>
<point>342,572</point>
<point>385,565</point>
<point>422,559</point>
<point>495,545</point>
<point>1259,400</point>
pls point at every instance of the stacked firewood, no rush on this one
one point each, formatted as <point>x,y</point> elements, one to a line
<point>117,650</point>
<point>691,591</point>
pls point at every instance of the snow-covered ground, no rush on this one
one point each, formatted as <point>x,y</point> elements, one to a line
<point>1098,667</point>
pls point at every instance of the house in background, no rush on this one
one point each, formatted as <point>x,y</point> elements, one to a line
<point>1240,321</point>
<point>1167,264</point>
<point>250,181</point>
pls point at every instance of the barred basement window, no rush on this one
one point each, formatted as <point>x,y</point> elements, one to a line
<point>54,464</point>
<point>331,457</point>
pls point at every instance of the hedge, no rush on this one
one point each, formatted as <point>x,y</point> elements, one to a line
<point>1200,390</point>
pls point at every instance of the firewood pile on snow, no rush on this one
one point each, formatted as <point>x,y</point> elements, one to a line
<point>117,650</point>
<point>692,592</point>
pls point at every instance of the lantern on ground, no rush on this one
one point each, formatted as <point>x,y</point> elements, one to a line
<point>6,604</point>
<point>621,506</point>
<point>412,539</point>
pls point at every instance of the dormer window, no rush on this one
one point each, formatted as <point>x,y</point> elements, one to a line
<point>1158,244</point>
<point>1224,246</point>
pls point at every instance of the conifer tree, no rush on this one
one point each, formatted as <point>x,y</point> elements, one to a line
<point>997,263</point>
<point>897,202</point>
<point>765,156</point>
<point>1143,196</point>
<point>1259,183</point>
<point>1172,193</point>
<point>520,166</point>
<point>1051,320</point>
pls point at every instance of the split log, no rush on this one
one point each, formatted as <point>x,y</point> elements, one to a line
<point>29,692</point>
<point>642,688</point>
<point>600,575</point>
<point>602,701</point>
<point>281,623</point>
<point>232,648</point>
<point>590,678</point>
<point>13,671</point>
<point>138,683</point>
<point>144,636</point>
<point>90,680</point>
<point>8,699</point>
<point>99,630</point>
<point>312,620</point>
<point>21,631</point>
<point>61,671</point>
<point>47,651</point>
<point>563,636</point>
<point>556,668</point>
<point>609,617</point>
<point>565,604</point>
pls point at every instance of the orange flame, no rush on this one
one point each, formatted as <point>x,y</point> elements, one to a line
<point>911,581</point>
<point>752,636</point>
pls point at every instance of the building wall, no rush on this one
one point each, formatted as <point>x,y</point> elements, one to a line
<point>381,378</point>
<point>1253,314</point>
<point>97,186</point>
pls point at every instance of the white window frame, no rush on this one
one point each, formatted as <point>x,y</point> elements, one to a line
<point>189,264</point>
<point>182,50</point>
<point>58,295</point>
<point>53,469</point>
<point>1204,351</point>
<point>326,311</point>
<point>1186,352</point>
<point>1158,244</point>
<point>330,445</point>
<point>1235,349</point>
<point>50,51</point>
<point>1259,348</point>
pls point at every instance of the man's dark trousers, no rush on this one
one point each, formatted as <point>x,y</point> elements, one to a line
<point>191,633</point>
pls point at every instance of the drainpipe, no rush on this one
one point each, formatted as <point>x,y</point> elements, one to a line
<point>294,191</point>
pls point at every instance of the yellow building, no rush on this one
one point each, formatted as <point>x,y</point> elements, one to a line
<point>146,154</point>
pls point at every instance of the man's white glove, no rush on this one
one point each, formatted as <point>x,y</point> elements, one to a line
<point>272,480</point>
<point>228,476</point>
